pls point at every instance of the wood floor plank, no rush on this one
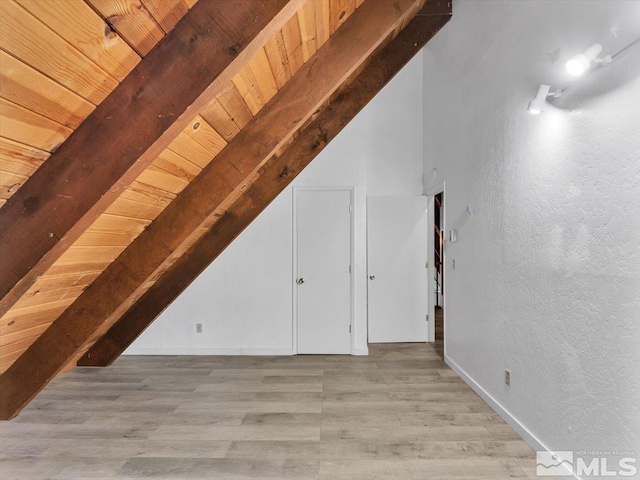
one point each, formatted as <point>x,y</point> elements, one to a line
<point>405,469</point>
<point>442,449</point>
<point>294,387</point>
<point>137,448</point>
<point>243,432</point>
<point>304,419</point>
<point>451,419</point>
<point>286,449</point>
<point>221,468</point>
<point>404,433</point>
<point>82,468</point>
<point>257,406</point>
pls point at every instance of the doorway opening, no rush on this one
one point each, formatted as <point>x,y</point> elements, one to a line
<point>438,271</point>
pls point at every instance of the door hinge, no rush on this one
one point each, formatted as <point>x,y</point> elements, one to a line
<point>426,264</point>
<point>349,328</point>
<point>426,317</point>
<point>349,268</point>
<point>350,208</point>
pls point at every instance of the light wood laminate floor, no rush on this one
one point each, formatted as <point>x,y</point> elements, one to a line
<point>399,413</point>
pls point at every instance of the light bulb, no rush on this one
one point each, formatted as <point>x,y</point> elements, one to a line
<point>577,65</point>
<point>580,63</point>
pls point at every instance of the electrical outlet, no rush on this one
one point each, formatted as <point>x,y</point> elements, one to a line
<point>198,328</point>
<point>453,263</point>
<point>507,377</point>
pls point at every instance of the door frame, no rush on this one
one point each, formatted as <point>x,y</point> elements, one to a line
<point>431,193</point>
<point>294,287</point>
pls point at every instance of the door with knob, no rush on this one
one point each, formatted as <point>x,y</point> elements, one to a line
<point>323,278</point>
<point>397,229</point>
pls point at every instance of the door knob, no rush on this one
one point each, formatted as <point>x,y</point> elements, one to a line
<point>372,277</point>
<point>300,281</point>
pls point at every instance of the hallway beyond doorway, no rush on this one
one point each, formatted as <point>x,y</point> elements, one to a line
<point>438,345</point>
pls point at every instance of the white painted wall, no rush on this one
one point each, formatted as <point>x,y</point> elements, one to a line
<point>547,279</point>
<point>244,299</point>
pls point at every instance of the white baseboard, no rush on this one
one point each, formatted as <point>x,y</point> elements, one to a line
<point>207,351</point>
<point>505,414</point>
<point>221,351</point>
<point>364,351</point>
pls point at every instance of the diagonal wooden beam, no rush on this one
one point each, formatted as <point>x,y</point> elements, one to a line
<point>127,131</point>
<point>290,109</point>
<point>273,178</point>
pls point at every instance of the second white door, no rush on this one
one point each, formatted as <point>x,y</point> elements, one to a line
<point>397,255</point>
<point>323,281</point>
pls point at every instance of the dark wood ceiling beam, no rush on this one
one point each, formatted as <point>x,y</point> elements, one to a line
<point>127,131</point>
<point>273,178</point>
<point>284,114</point>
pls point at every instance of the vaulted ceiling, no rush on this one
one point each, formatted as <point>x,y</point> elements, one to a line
<point>138,138</point>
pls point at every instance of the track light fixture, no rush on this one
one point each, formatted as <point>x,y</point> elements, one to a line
<point>577,66</point>
<point>581,63</point>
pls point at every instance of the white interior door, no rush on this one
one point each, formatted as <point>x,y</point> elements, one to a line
<point>323,280</point>
<point>397,230</point>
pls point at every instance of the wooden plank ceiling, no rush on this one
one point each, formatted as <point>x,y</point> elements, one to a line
<point>60,61</point>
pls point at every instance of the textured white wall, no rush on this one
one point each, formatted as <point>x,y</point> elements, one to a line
<point>244,299</point>
<point>547,278</point>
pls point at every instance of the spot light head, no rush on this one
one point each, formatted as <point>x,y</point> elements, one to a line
<point>537,105</point>
<point>581,63</point>
<point>577,65</point>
